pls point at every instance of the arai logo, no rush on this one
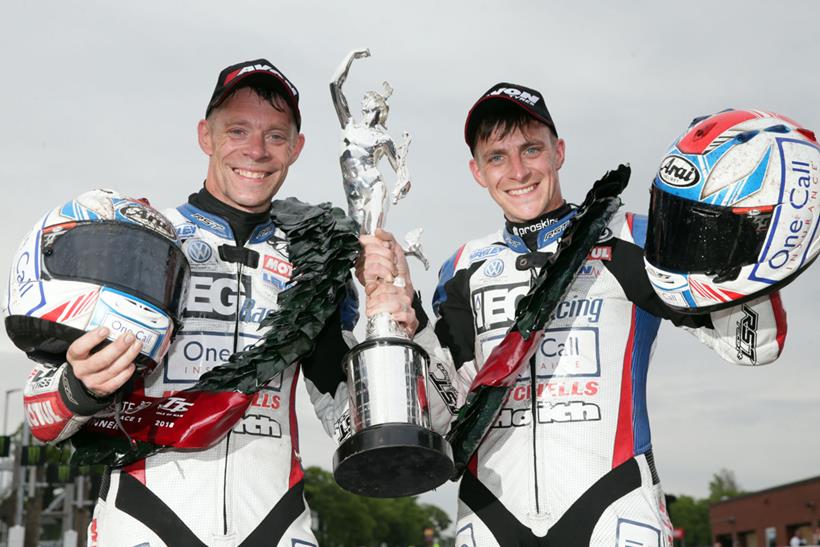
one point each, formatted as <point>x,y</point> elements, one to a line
<point>678,171</point>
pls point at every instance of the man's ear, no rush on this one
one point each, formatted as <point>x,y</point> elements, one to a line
<point>203,133</point>
<point>474,169</point>
<point>297,148</point>
<point>560,153</point>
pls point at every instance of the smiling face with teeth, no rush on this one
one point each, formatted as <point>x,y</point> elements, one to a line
<point>250,144</point>
<point>520,170</point>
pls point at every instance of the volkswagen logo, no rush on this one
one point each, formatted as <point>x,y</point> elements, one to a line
<point>199,251</point>
<point>494,268</point>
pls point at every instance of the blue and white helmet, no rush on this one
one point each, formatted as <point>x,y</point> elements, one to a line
<point>102,259</point>
<point>734,210</point>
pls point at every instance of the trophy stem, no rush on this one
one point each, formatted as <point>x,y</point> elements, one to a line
<point>382,325</point>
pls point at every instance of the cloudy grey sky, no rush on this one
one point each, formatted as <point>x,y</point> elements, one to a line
<point>108,94</point>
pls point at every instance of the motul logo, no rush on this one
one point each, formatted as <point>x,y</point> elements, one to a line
<point>278,267</point>
<point>517,94</point>
<point>41,414</point>
<point>600,253</point>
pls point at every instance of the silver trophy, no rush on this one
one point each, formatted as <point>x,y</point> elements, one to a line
<point>391,451</point>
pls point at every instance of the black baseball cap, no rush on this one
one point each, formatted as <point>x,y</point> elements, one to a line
<point>260,71</point>
<point>528,99</point>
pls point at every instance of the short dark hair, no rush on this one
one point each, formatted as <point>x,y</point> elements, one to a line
<point>502,119</point>
<point>266,93</point>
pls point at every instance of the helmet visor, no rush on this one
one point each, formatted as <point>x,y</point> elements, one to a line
<point>133,259</point>
<point>686,236</point>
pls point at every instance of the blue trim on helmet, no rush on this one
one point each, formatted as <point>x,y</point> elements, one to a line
<point>639,227</point>
<point>690,300</point>
<point>135,299</point>
<point>38,238</point>
<point>713,156</point>
<point>646,329</point>
<point>743,188</point>
<point>75,211</point>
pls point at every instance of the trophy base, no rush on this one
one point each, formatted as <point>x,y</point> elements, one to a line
<point>392,460</point>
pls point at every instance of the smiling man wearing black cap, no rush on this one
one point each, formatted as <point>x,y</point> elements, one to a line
<point>568,461</point>
<point>246,486</point>
<point>251,135</point>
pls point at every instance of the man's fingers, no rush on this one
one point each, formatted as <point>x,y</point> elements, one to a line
<point>397,301</point>
<point>376,261</point>
<point>369,239</point>
<point>111,377</point>
<point>387,298</point>
<point>378,249</point>
<point>110,353</point>
<point>85,369</point>
<point>407,320</point>
<point>376,267</point>
<point>82,346</point>
<point>384,235</point>
<point>116,382</point>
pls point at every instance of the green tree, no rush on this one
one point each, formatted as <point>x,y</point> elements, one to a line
<point>345,519</point>
<point>693,516</point>
<point>724,485</point>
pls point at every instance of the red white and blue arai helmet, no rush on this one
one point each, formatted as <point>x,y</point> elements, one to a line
<point>734,210</point>
<point>102,259</point>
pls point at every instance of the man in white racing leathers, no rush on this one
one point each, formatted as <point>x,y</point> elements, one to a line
<point>247,489</point>
<point>569,460</point>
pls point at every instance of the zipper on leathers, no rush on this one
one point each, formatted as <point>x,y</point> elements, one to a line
<point>534,409</point>
<point>228,436</point>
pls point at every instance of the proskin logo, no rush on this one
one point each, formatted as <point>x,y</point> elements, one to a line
<point>521,231</point>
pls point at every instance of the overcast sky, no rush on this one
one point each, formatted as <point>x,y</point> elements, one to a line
<point>108,94</point>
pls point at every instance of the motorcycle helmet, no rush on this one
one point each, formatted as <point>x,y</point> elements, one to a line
<point>733,211</point>
<point>102,259</point>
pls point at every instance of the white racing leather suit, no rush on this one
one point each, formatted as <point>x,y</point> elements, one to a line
<point>247,489</point>
<point>569,460</point>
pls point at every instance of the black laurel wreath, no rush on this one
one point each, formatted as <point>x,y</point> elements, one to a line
<point>322,245</point>
<point>483,404</point>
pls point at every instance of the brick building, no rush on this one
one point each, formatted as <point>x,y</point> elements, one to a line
<point>769,518</point>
